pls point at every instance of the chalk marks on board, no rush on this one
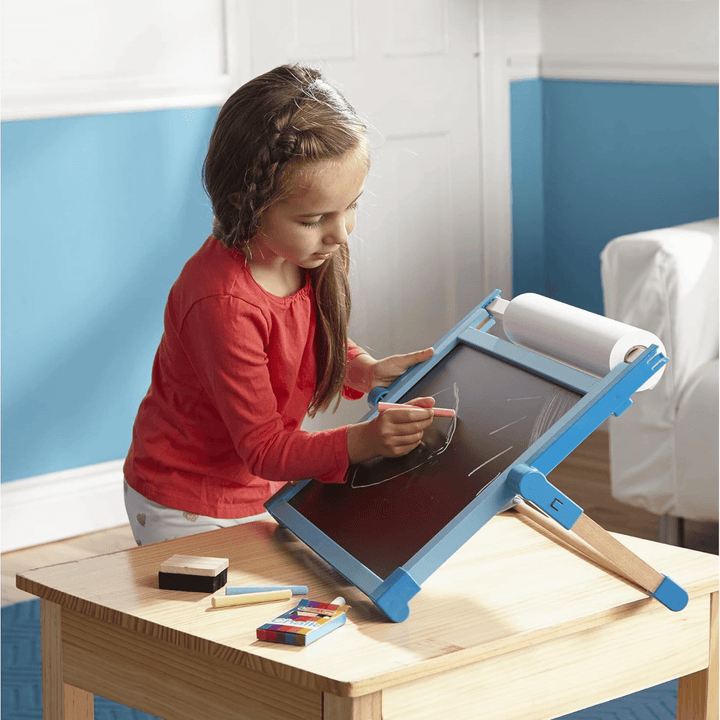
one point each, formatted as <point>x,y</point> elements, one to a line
<point>436,441</point>
<point>395,506</point>
<point>556,405</point>
<point>504,427</point>
<point>494,457</point>
<point>500,429</point>
<point>553,408</point>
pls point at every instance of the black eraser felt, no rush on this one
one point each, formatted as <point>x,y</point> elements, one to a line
<point>192,583</point>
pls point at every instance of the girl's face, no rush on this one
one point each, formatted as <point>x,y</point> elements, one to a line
<point>307,227</point>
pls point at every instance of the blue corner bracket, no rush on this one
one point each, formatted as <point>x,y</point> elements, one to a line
<point>394,594</point>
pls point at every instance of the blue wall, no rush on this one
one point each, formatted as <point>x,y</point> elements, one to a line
<point>98,215</point>
<point>616,158</point>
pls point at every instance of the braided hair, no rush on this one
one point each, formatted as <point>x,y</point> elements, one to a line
<point>265,135</point>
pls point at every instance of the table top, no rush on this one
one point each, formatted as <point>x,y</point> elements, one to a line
<point>511,586</point>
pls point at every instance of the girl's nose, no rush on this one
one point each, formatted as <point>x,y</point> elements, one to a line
<point>337,233</point>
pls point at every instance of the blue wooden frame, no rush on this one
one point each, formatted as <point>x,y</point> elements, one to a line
<point>525,478</point>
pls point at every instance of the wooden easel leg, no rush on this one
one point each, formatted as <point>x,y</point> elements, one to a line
<point>600,546</point>
<point>632,566</point>
<point>698,693</point>
<point>60,701</point>
<point>367,707</point>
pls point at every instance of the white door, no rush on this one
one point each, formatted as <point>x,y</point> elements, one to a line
<point>410,67</point>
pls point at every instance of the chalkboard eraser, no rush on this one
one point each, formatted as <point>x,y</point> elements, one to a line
<point>191,573</point>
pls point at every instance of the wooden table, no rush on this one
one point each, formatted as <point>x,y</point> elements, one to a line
<point>514,625</point>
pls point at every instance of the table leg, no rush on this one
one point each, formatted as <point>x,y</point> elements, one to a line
<point>698,693</point>
<point>60,701</point>
<point>366,707</point>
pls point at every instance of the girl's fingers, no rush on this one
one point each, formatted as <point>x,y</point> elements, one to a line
<point>403,448</point>
<point>416,357</point>
<point>423,402</point>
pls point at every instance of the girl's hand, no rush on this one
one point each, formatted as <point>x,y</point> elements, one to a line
<point>365,373</point>
<point>392,433</point>
<point>391,368</point>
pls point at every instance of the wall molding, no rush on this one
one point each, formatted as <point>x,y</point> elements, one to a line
<point>619,68</point>
<point>611,68</point>
<point>60,505</point>
<point>92,97</point>
<point>523,67</point>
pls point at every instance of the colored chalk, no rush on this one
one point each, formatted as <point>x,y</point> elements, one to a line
<point>437,412</point>
<point>305,623</point>
<point>242,590</point>
<point>251,598</point>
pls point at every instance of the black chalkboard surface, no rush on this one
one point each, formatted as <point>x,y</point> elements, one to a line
<point>390,508</point>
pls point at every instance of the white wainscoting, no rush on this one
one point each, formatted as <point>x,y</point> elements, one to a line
<point>60,505</point>
<point>65,59</point>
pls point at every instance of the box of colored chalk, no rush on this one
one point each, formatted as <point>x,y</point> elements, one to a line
<point>308,621</point>
<point>193,574</point>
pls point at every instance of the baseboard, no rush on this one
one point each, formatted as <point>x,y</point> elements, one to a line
<point>60,505</point>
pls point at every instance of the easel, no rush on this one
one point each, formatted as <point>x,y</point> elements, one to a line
<point>523,485</point>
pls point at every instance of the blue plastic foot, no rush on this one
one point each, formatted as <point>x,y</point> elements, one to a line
<point>393,595</point>
<point>671,595</point>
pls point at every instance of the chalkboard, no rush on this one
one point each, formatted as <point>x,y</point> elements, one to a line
<point>390,508</point>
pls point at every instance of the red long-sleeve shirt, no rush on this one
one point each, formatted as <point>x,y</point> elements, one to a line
<point>232,380</point>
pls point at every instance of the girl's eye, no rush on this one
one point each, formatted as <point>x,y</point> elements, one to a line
<point>320,219</point>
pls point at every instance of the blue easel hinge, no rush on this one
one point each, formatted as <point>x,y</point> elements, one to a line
<point>531,484</point>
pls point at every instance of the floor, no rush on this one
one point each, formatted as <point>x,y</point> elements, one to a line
<point>584,476</point>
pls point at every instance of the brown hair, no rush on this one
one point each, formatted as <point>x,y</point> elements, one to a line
<point>266,133</point>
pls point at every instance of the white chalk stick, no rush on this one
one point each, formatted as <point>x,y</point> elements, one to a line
<point>251,598</point>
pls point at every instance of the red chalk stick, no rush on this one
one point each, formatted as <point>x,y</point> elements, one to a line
<point>437,412</point>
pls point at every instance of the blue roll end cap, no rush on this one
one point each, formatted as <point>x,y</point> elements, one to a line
<point>671,595</point>
<point>375,396</point>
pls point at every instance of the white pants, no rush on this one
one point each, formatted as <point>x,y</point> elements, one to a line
<point>151,522</point>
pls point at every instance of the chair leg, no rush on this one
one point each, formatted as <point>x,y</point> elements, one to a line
<point>671,530</point>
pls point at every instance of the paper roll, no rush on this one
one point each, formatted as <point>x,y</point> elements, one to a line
<point>583,340</point>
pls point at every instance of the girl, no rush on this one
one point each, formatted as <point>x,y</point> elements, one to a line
<point>255,332</point>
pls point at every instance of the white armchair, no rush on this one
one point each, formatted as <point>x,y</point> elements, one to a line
<point>664,449</point>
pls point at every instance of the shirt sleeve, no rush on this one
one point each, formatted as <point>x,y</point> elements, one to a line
<point>224,338</point>
<point>347,392</point>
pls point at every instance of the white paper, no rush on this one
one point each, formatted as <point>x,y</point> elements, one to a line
<point>583,340</point>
